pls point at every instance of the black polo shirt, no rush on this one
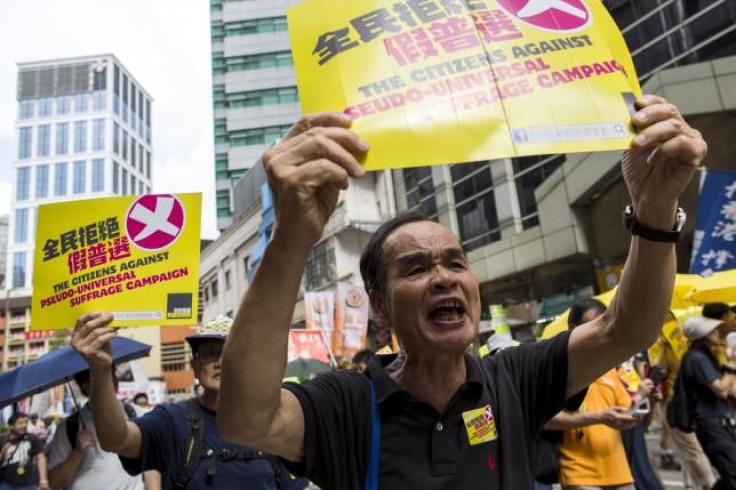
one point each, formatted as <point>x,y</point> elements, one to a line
<point>484,440</point>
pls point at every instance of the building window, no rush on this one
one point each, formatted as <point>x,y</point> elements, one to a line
<point>258,136</point>
<point>124,180</point>
<point>218,63</point>
<point>80,183</point>
<point>206,294</point>
<point>62,138</point>
<point>98,175</point>
<point>133,98</point>
<point>529,173</point>
<point>27,109</point>
<point>223,204</point>
<point>148,121</point>
<point>213,288</point>
<point>99,100</point>
<point>63,104</point>
<point>115,177</point>
<point>81,103</point>
<point>140,187</point>
<point>140,114</point>
<point>218,96</point>
<point>255,98</point>
<point>125,145</point>
<point>45,107</point>
<point>228,283</point>
<point>23,184</point>
<point>125,97</point>
<point>98,135</point>
<point>21,226</point>
<point>255,26</point>
<point>60,179</point>
<point>475,204</point>
<point>42,181</point>
<point>420,194</point>
<point>133,152</point>
<point>43,142</point>
<point>80,136</point>
<point>246,266</point>
<point>116,138</point>
<point>320,268</point>
<point>142,159</point>
<point>25,137</point>
<point>132,183</point>
<point>116,89</point>
<point>259,61</point>
<point>19,270</point>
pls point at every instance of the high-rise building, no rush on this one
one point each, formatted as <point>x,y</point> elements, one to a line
<point>83,129</point>
<point>4,223</point>
<point>253,87</point>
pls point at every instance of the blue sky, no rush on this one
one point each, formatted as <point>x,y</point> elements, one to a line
<point>165,44</point>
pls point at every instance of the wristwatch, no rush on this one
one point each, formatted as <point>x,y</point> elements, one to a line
<point>636,228</point>
<point>728,370</point>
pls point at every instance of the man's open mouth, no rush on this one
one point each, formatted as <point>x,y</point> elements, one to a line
<point>447,311</point>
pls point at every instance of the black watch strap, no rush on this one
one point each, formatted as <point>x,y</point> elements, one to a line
<point>728,370</point>
<point>664,236</point>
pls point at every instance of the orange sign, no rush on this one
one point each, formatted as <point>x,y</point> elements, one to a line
<point>307,344</point>
<point>319,311</point>
<point>351,320</point>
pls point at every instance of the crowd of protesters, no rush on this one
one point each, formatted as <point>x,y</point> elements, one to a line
<point>430,415</point>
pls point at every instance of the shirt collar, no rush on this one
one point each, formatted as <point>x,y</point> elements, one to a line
<point>386,387</point>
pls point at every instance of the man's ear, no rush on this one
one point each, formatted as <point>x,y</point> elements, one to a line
<point>379,307</point>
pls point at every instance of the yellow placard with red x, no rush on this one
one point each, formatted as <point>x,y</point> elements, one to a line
<point>136,257</point>
<point>447,81</point>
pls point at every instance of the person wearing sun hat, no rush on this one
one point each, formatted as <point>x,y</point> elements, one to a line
<point>711,388</point>
<point>180,440</point>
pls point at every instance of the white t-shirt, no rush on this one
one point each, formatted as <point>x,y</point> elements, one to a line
<point>99,469</point>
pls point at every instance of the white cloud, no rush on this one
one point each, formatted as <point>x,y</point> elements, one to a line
<point>165,44</point>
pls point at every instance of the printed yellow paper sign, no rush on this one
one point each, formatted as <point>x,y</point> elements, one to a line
<point>136,257</point>
<point>448,81</point>
<point>480,425</point>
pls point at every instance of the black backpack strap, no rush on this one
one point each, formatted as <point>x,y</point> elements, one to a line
<point>195,437</point>
<point>72,428</point>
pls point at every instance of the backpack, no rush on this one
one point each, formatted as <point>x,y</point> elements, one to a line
<point>681,407</point>
<point>72,423</point>
<point>196,453</point>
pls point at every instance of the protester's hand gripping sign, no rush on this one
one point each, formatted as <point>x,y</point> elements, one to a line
<point>136,257</point>
<point>447,81</point>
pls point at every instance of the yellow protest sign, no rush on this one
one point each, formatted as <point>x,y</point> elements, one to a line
<point>673,333</point>
<point>136,257</point>
<point>447,81</point>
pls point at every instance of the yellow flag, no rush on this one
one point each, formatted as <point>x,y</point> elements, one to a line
<point>136,257</point>
<point>447,81</point>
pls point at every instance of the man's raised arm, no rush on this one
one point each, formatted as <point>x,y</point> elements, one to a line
<point>306,172</point>
<point>665,154</point>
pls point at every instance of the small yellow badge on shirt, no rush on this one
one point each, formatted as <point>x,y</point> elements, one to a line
<point>481,425</point>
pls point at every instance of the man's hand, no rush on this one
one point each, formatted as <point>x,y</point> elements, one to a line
<point>617,418</point>
<point>91,338</point>
<point>85,440</point>
<point>664,155</point>
<point>43,484</point>
<point>307,170</point>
